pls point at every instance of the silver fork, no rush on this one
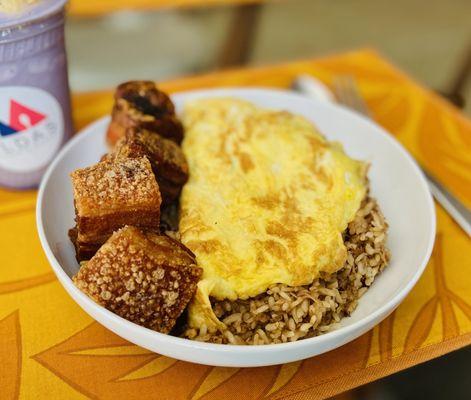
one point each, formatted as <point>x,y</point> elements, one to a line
<point>347,93</point>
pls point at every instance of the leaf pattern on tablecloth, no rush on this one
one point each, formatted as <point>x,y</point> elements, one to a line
<point>395,101</point>
<point>385,333</point>
<point>17,227</point>
<point>446,150</point>
<point>103,374</point>
<point>246,383</point>
<point>315,371</point>
<point>449,324</point>
<point>28,283</point>
<point>465,307</point>
<point>444,298</point>
<point>10,356</point>
<point>421,326</point>
<point>12,200</point>
<point>100,364</point>
<point>285,374</point>
<point>215,377</point>
<point>154,367</point>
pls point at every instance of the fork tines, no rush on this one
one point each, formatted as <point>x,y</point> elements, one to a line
<point>347,93</point>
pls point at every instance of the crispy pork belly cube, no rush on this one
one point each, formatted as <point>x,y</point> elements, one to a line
<point>83,251</point>
<point>167,159</point>
<point>143,277</point>
<point>141,104</point>
<point>112,194</point>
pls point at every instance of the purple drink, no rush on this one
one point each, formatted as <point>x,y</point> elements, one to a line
<point>35,117</point>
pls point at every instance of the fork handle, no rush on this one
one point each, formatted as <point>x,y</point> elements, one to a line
<point>460,213</point>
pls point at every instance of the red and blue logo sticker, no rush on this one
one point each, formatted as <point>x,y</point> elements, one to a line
<point>21,118</point>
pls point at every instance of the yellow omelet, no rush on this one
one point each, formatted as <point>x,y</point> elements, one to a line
<point>267,201</point>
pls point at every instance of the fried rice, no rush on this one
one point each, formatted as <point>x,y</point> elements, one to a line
<point>286,314</point>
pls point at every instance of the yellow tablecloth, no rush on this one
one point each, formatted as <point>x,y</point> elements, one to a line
<point>93,8</point>
<point>49,348</point>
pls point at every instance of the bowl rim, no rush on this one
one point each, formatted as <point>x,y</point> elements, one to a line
<point>188,344</point>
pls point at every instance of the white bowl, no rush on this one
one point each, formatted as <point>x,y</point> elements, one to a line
<point>396,182</point>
